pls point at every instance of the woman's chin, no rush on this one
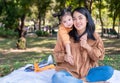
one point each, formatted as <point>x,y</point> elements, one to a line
<point>78,28</point>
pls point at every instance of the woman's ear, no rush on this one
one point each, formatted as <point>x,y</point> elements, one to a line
<point>87,20</point>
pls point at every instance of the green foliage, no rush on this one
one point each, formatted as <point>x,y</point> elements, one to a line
<point>43,6</point>
<point>114,7</point>
<point>11,11</point>
<point>42,33</point>
<point>9,14</point>
<point>7,33</point>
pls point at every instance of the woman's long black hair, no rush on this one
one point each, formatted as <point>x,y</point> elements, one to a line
<point>90,27</point>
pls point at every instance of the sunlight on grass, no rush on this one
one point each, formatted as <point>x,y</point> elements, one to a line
<point>11,59</point>
<point>40,48</point>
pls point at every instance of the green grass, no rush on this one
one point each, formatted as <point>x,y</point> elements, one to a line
<point>12,58</point>
<point>39,49</point>
<point>112,60</point>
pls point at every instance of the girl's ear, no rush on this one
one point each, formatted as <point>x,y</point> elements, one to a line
<point>60,22</point>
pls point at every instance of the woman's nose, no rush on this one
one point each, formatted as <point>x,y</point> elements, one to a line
<point>77,21</point>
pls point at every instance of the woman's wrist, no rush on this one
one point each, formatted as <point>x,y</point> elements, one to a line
<point>89,48</point>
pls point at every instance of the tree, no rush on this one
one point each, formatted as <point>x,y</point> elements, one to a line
<point>43,6</point>
<point>114,8</point>
<point>23,10</point>
<point>99,4</point>
<point>88,5</point>
<point>8,14</point>
<point>14,11</point>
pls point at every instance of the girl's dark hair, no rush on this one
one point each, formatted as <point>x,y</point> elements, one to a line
<point>90,27</point>
<point>63,12</point>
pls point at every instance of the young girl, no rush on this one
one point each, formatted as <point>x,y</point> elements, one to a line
<point>65,27</point>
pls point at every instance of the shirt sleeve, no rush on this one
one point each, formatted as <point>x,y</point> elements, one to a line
<point>64,35</point>
<point>97,51</point>
<point>59,51</point>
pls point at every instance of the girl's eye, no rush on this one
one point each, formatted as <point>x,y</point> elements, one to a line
<point>69,19</point>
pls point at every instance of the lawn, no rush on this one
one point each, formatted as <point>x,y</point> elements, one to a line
<point>39,48</point>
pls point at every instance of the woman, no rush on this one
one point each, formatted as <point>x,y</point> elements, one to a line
<point>87,49</point>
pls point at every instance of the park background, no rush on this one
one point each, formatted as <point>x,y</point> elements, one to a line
<point>33,20</point>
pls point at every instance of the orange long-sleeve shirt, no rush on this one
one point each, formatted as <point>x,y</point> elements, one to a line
<point>83,60</point>
<point>63,33</point>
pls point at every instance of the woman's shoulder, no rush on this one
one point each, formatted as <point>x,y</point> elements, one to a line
<point>96,35</point>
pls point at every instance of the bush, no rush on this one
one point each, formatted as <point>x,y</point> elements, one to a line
<point>7,33</point>
<point>42,33</point>
<point>45,33</point>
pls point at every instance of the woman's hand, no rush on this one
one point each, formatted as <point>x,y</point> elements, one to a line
<point>69,59</point>
<point>83,42</point>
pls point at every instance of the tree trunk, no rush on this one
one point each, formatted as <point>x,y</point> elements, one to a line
<point>21,31</point>
<point>44,20</point>
<point>79,2</point>
<point>88,5</point>
<point>114,19</point>
<point>100,2</point>
<point>21,44</point>
<point>119,27</point>
<point>39,18</point>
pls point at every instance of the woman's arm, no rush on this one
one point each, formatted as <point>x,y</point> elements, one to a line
<point>96,51</point>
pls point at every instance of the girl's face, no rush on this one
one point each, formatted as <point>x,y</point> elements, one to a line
<point>79,21</point>
<point>67,21</point>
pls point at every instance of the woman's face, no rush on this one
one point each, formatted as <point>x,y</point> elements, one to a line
<point>79,21</point>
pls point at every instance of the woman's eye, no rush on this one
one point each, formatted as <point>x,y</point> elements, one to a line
<point>80,18</point>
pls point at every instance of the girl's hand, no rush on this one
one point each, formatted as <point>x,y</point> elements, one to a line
<point>69,59</point>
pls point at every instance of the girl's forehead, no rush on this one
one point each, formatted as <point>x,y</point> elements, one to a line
<point>66,16</point>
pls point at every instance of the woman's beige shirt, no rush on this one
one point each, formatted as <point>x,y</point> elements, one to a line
<point>83,60</point>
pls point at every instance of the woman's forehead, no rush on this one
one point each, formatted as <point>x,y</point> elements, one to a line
<point>77,14</point>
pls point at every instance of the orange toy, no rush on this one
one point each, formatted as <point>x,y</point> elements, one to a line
<point>47,67</point>
<point>37,69</point>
